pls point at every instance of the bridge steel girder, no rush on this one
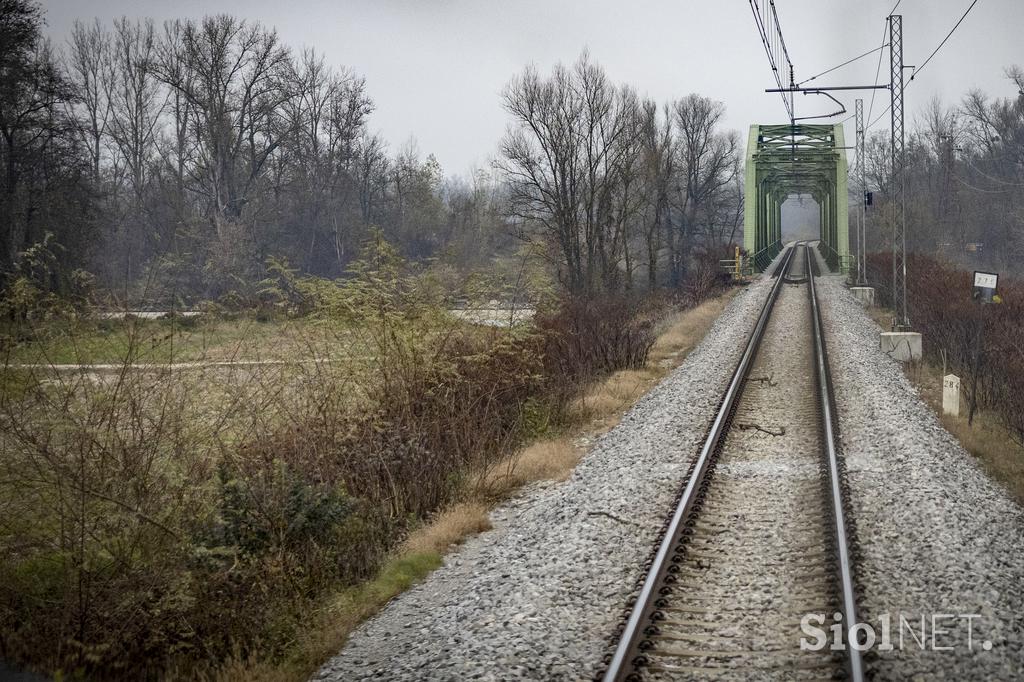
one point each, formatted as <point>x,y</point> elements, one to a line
<point>786,160</point>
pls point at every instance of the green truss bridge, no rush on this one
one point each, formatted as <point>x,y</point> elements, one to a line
<point>785,161</point>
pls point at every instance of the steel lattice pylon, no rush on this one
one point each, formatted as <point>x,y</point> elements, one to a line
<point>862,184</point>
<point>899,222</point>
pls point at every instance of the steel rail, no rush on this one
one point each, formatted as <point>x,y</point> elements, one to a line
<point>855,665</point>
<point>627,650</point>
<point>629,653</point>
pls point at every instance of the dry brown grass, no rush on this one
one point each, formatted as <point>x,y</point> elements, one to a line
<point>328,628</point>
<point>603,404</point>
<point>881,316</point>
<point>684,330</point>
<point>551,459</point>
<point>596,411</point>
<point>449,528</point>
<point>986,438</point>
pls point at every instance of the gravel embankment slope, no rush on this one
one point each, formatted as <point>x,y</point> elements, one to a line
<point>538,596</point>
<point>936,534</point>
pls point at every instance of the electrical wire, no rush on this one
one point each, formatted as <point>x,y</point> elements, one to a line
<point>979,189</point>
<point>772,41</point>
<point>990,177</point>
<point>884,112</point>
<point>850,61</point>
<point>955,27</point>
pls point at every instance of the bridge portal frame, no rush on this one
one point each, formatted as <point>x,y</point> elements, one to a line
<point>786,160</point>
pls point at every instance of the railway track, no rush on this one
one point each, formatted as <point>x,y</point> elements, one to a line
<point>758,537</point>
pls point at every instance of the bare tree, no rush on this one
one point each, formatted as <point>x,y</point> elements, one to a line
<point>325,120</point>
<point>91,73</point>
<point>372,168</point>
<point>625,190</point>
<point>707,164</point>
<point>45,193</point>
<point>136,101</point>
<point>562,157</point>
<point>659,163</point>
<point>234,77</point>
<point>966,167</point>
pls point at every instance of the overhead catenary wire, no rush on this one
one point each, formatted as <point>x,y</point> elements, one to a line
<point>939,47</point>
<point>767,20</point>
<point>877,119</point>
<point>849,61</point>
<point>992,178</point>
<point>979,189</point>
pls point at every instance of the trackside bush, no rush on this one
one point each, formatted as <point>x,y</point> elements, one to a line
<point>157,523</point>
<point>588,337</point>
<point>941,308</point>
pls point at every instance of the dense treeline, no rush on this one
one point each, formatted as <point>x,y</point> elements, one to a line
<point>167,163</point>
<point>173,160</point>
<point>965,182</point>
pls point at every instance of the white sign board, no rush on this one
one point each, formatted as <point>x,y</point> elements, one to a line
<point>951,395</point>
<point>984,286</point>
<point>985,280</point>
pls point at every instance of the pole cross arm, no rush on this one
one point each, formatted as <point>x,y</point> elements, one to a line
<point>884,86</point>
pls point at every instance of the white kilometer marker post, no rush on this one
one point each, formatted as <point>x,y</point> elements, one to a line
<point>951,395</point>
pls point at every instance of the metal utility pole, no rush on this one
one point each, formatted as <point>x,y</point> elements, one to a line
<point>861,243</point>
<point>901,321</point>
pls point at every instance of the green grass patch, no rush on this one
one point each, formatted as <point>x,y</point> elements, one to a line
<point>167,340</point>
<point>330,628</point>
<point>15,383</point>
<point>399,575</point>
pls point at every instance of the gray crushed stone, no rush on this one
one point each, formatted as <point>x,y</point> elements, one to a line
<point>936,534</point>
<point>730,617</point>
<point>538,596</point>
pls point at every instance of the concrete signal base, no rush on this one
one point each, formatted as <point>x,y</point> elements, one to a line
<point>865,295</point>
<point>904,346</point>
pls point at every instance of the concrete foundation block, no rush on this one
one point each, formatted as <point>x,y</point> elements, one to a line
<point>904,346</point>
<point>865,295</point>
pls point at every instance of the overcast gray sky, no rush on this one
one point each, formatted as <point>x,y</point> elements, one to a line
<point>435,68</point>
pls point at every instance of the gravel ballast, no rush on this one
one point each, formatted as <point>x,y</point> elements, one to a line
<point>752,566</point>
<point>538,596</point>
<point>937,537</point>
